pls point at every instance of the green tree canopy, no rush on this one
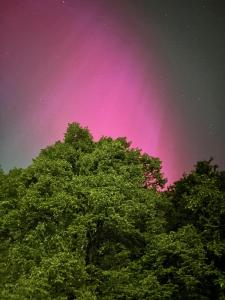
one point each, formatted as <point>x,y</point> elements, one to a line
<point>89,220</point>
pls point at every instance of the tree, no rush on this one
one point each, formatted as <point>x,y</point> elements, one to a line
<point>198,200</point>
<point>76,217</point>
<point>89,220</point>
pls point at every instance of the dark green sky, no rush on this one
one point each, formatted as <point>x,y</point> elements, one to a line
<point>192,38</point>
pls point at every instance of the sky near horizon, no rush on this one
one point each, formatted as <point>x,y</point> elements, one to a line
<point>150,70</point>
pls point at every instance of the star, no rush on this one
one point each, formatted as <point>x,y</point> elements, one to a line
<point>211,128</point>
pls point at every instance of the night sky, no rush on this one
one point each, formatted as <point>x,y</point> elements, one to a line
<point>150,70</point>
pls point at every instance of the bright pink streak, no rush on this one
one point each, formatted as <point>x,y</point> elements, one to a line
<point>101,78</point>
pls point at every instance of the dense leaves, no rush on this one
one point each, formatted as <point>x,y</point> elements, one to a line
<point>89,220</point>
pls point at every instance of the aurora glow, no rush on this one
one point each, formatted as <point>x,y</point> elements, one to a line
<point>85,61</point>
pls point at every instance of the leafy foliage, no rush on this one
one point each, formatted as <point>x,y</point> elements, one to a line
<point>88,220</point>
